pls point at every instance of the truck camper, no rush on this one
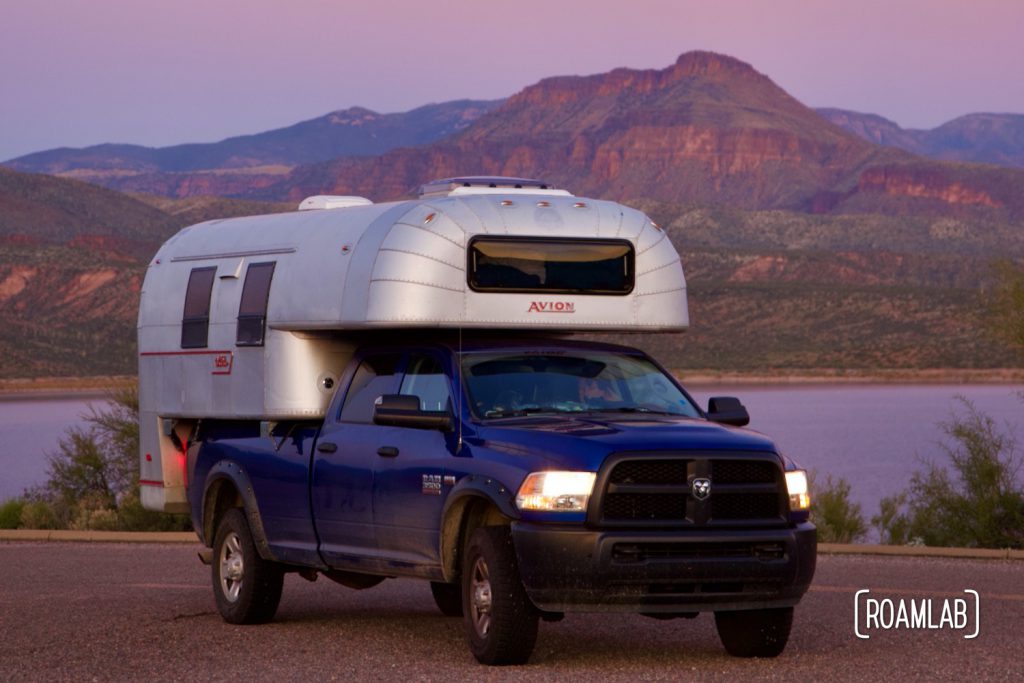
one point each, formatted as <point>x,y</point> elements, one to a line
<point>367,391</point>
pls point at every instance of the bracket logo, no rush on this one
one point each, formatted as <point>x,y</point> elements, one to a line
<point>887,614</point>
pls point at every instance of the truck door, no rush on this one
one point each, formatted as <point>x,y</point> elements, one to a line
<point>409,487</point>
<point>343,468</point>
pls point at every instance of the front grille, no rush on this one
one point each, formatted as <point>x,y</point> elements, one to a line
<point>749,506</point>
<point>657,491</point>
<point>650,472</point>
<point>651,506</point>
<point>743,471</point>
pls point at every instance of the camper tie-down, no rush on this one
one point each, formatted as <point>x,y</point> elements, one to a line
<point>368,391</point>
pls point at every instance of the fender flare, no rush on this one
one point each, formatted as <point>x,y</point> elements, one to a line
<point>471,487</point>
<point>231,472</point>
<point>480,486</point>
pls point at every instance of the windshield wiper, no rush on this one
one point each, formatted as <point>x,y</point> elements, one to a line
<point>522,412</point>
<point>632,409</point>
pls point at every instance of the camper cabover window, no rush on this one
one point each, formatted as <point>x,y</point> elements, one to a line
<point>551,265</point>
<point>252,311</point>
<point>195,322</point>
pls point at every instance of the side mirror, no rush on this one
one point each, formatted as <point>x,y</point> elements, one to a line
<point>728,410</point>
<point>401,410</point>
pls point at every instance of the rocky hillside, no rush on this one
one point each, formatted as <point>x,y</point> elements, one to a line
<point>986,138</point>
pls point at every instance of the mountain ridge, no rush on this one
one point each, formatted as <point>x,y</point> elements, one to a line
<point>981,137</point>
<point>353,131</point>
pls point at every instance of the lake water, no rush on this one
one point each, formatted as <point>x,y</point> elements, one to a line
<point>29,429</point>
<point>873,435</point>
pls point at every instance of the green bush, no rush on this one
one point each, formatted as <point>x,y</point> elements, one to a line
<point>10,513</point>
<point>979,504</point>
<point>133,517</point>
<point>39,514</point>
<point>838,519</point>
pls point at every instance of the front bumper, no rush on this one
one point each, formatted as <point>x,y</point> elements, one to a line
<point>573,569</point>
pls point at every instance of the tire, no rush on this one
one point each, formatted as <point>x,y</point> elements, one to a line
<point>755,633</point>
<point>247,588</point>
<point>447,597</point>
<point>500,620</point>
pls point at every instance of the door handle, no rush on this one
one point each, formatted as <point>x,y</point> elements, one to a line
<point>387,451</point>
<point>327,447</point>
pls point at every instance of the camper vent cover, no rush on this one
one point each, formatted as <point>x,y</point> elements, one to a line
<point>454,187</point>
<point>330,201</point>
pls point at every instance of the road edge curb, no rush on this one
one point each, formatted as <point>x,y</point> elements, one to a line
<point>66,536</point>
<point>920,551</point>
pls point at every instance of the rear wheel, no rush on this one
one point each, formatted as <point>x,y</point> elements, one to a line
<point>501,622</point>
<point>755,633</point>
<point>447,597</point>
<point>247,588</point>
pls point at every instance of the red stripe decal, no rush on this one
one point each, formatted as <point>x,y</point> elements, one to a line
<point>182,353</point>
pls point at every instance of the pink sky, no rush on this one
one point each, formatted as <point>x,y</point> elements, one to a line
<point>158,72</point>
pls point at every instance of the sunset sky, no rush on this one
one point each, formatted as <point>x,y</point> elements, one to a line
<point>159,72</point>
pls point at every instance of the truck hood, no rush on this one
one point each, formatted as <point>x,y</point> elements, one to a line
<point>583,442</point>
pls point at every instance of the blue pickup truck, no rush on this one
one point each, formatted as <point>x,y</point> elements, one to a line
<point>525,477</point>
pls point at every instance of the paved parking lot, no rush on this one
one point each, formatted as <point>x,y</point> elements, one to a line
<point>98,611</point>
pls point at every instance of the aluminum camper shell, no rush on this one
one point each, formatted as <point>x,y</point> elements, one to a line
<point>363,266</point>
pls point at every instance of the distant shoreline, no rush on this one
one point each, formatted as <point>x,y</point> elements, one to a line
<point>812,377</point>
<point>51,388</point>
<point>54,388</point>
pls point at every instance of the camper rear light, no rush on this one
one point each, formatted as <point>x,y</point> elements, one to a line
<point>556,491</point>
<point>799,495</point>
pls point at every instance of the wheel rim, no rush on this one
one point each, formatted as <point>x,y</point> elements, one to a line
<point>480,598</point>
<point>232,567</point>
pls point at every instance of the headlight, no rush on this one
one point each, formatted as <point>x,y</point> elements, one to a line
<point>556,491</point>
<point>796,485</point>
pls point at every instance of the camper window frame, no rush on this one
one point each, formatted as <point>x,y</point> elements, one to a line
<point>539,239</point>
<point>191,324</point>
<point>261,317</point>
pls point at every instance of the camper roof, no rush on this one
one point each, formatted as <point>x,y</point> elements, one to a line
<point>449,187</point>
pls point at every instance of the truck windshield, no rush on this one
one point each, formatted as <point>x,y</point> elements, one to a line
<point>571,381</point>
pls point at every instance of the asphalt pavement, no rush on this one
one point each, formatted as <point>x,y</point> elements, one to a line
<point>128,612</point>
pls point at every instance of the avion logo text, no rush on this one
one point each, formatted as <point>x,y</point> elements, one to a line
<point>552,307</point>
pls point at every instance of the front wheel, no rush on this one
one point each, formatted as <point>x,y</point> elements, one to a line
<point>501,622</point>
<point>756,632</point>
<point>247,588</point>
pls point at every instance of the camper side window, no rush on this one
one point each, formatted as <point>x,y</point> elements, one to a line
<point>195,321</point>
<point>252,311</point>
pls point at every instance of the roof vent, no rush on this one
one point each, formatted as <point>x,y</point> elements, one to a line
<point>454,187</point>
<point>330,201</point>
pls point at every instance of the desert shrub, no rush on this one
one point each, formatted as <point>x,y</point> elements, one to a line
<point>133,517</point>
<point>977,504</point>
<point>838,518</point>
<point>39,514</point>
<point>10,513</point>
<point>93,513</point>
